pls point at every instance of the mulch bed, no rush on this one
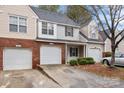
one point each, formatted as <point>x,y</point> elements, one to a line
<point>103,70</point>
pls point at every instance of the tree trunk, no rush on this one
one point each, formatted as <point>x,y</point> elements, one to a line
<point>112,58</point>
<point>113,51</point>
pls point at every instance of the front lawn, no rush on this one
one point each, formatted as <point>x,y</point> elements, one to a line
<point>103,70</point>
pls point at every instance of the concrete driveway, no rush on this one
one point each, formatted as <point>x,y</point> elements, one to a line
<point>25,79</point>
<point>71,77</point>
<point>55,76</point>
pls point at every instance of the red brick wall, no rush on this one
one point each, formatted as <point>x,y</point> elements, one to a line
<point>11,43</point>
<point>35,46</point>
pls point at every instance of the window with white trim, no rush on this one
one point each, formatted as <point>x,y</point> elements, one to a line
<point>93,35</point>
<point>73,52</point>
<point>47,28</point>
<point>69,31</point>
<point>93,30</point>
<point>17,24</point>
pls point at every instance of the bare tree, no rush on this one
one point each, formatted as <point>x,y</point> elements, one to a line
<point>110,18</point>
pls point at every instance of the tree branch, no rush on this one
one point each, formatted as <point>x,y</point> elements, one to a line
<point>116,45</point>
<point>97,16</point>
<point>105,18</point>
<point>119,34</point>
<point>118,18</point>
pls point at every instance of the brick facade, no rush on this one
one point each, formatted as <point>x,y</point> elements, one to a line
<point>33,45</point>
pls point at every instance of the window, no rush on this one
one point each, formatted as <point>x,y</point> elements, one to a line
<point>93,30</point>
<point>13,24</point>
<point>22,25</point>
<point>50,29</point>
<point>18,24</point>
<point>93,35</point>
<point>44,27</point>
<point>73,52</point>
<point>68,31</point>
<point>47,28</point>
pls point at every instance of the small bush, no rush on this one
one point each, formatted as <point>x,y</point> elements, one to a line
<point>79,59</point>
<point>73,62</point>
<point>89,58</point>
<point>83,61</point>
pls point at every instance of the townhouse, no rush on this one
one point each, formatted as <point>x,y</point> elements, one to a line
<point>31,36</point>
<point>107,43</point>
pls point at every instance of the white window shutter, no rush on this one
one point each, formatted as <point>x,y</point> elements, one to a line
<point>39,29</point>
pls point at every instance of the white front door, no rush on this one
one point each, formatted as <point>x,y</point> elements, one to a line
<point>50,55</point>
<point>95,53</point>
<point>17,58</point>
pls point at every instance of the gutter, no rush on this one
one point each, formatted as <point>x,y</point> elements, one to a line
<point>65,42</point>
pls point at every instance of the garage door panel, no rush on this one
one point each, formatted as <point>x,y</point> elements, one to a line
<point>50,55</point>
<point>95,53</point>
<point>17,58</point>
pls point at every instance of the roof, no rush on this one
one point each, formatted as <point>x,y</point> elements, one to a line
<point>53,16</point>
<point>90,39</point>
<point>102,33</point>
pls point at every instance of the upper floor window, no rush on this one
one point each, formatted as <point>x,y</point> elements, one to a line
<point>17,24</point>
<point>69,31</point>
<point>93,30</point>
<point>47,28</point>
<point>93,35</point>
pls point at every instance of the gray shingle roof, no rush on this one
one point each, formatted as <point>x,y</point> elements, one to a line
<point>53,16</point>
<point>104,37</point>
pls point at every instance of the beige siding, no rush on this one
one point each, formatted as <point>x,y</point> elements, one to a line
<point>86,30</point>
<point>121,47</point>
<point>108,46</point>
<point>19,10</point>
<point>61,33</point>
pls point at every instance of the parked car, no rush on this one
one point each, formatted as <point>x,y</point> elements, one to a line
<point>119,60</point>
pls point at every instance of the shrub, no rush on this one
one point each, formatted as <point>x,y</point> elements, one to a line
<point>73,62</point>
<point>87,60</point>
<point>79,59</point>
<point>82,62</point>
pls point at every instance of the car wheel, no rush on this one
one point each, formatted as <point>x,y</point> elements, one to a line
<point>106,62</point>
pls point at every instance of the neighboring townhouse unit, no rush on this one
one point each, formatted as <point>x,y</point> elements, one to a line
<point>94,41</point>
<point>107,43</point>
<point>31,36</point>
<point>59,38</point>
<point>17,33</point>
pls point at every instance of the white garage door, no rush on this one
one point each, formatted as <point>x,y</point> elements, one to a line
<point>95,53</point>
<point>50,55</point>
<point>17,58</point>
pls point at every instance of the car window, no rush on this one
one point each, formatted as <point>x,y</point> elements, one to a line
<point>122,55</point>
